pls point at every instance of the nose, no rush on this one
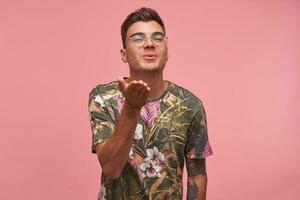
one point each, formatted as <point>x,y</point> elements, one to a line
<point>148,42</point>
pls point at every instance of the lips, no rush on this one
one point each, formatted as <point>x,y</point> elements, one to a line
<point>150,56</point>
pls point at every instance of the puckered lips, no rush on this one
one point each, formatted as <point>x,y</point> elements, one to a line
<point>149,56</point>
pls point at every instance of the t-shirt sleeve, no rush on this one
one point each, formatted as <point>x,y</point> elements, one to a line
<point>197,145</point>
<point>102,124</point>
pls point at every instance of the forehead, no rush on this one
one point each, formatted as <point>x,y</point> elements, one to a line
<point>144,27</point>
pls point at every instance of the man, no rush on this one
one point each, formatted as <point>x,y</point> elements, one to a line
<point>145,127</point>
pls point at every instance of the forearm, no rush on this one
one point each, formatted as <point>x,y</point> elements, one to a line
<point>114,152</point>
<point>196,188</point>
<point>197,179</point>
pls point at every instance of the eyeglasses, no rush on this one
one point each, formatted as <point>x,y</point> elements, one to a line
<point>139,39</point>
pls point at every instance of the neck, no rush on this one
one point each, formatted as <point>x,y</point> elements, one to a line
<point>155,81</point>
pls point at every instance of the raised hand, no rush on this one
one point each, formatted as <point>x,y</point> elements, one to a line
<point>136,93</point>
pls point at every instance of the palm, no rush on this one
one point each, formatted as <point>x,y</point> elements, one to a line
<point>136,93</point>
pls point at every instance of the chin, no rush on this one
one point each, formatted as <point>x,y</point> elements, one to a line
<point>150,67</point>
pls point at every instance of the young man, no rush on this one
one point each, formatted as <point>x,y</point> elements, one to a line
<point>145,127</point>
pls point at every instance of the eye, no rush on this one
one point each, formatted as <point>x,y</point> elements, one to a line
<point>158,37</point>
<point>137,38</point>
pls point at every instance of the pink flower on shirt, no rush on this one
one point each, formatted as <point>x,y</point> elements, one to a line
<point>120,103</point>
<point>150,111</point>
<point>207,150</point>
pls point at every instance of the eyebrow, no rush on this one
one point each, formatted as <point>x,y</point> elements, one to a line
<point>141,33</point>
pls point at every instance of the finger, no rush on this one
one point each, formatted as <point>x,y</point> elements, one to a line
<point>121,83</point>
<point>131,86</point>
<point>140,82</point>
<point>149,89</point>
<point>144,87</point>
<point>145,84</point>
<point>146,92</point>
<point>141,90</point>
<point>140,87</point>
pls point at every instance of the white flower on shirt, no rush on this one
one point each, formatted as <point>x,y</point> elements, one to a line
<point>102,193</point>
<point>152,165</point>
<point>131,153</point>
<point>100,100</point>
<point>138,132</point>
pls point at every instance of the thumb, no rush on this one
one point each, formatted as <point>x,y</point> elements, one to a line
<point>121,83</point>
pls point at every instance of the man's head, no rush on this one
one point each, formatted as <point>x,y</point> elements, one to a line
<point>144,41</point>
<point>144,15</point>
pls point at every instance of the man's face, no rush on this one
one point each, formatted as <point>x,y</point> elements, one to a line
<point>148,55</point>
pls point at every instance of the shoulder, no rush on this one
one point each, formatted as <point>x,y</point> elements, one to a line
<point>105,90</point>
<point>189,99</point>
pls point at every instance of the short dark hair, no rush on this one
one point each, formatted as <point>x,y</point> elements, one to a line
<point>143,14</point>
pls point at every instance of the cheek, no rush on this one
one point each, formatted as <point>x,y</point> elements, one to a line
<point>132,56</point>
<point>164,55</point>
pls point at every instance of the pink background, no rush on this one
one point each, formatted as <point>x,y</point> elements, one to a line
<point>240,57</point>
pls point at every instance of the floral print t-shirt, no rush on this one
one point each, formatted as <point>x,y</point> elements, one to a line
<point>170,128</point>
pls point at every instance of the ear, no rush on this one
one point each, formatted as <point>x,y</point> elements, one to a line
<point>167,48</point>
<point>167,56</point>
<point>123,55</point>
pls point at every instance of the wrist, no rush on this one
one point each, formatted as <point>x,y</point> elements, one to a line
<point>132,108</point>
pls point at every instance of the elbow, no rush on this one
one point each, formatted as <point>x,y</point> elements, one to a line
<point>108,168</point>
<point>110,173</point>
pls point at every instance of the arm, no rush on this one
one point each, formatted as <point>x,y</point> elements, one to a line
<point>197,149</point>
<point>113,153</point>
<point>197,179</point>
